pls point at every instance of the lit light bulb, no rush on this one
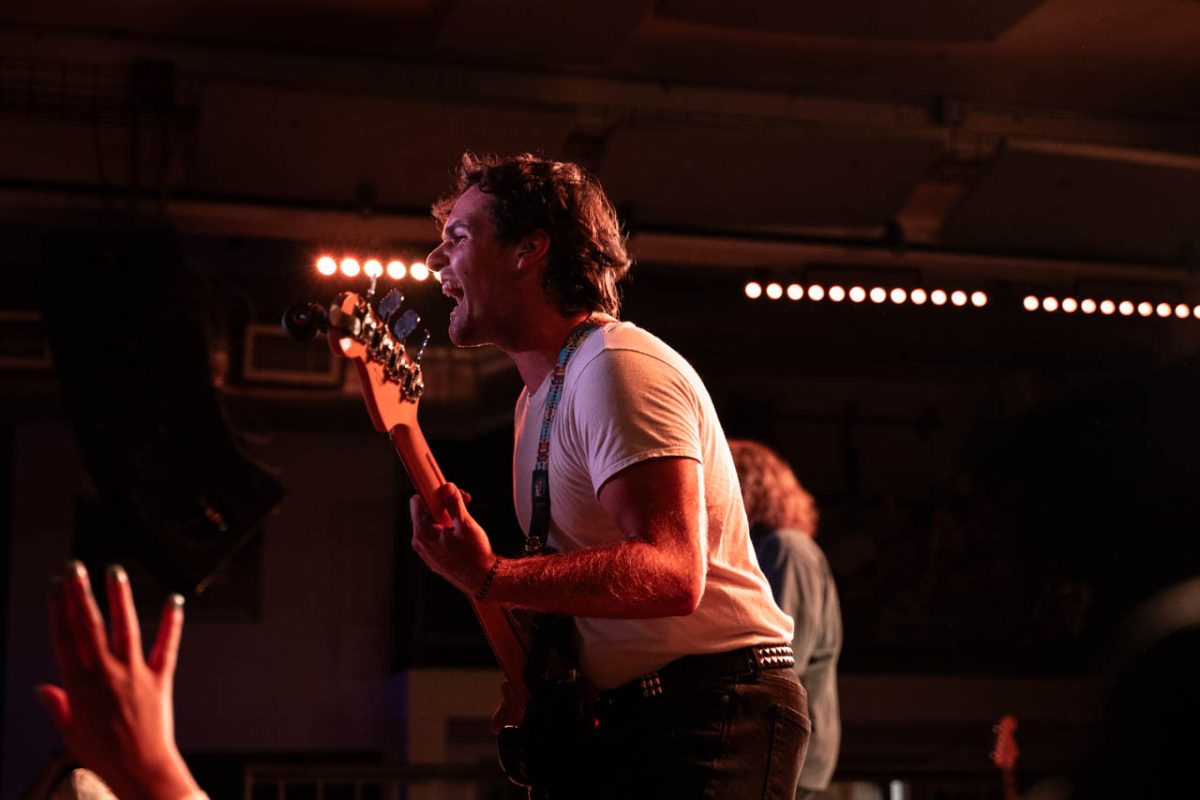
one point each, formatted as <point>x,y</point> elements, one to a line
<point>795,291</point>
<point>1145,308</point>
<point>418,271</point>
<point>979,299</point>
<point>837,294</point>
<point>1126,308</point>
<point>918,296</point>
<point>1031,303</point>
<point>326,265</point>
<point>857,294</point>
<point>1107,307</point>
<point>1069,305</point>
<point>937,297</point>
<point>1087,305</point>
<point>774,291</point>
<point>878,294</point>
<point>350,267</point>
<point>1163,310</point>
<point>959,298</point>
<point>372,268</point>
<point>899,295</point>
<point>816,292</point>
<point>396,270</point>
<point>1050,304</point>
<point>753,290</point>
<point>1182,311</point>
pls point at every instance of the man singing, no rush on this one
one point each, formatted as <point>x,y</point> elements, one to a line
<point>673,622</point>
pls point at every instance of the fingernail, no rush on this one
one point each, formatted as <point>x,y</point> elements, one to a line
<point>76,568</point>
<point>117,573</point>
<point>176,601</point>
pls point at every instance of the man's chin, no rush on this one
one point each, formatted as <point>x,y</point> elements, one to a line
<point>463,336</point>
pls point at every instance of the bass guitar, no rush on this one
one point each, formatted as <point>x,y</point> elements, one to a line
<point>372,337</point>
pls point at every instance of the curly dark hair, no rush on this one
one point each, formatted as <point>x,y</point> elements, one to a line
<point>587,258</point>
<point>770,491</point>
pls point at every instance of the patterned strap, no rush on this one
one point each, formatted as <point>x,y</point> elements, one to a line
<point>539,523</point>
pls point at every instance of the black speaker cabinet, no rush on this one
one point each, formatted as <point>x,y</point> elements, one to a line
<point>126,326</point>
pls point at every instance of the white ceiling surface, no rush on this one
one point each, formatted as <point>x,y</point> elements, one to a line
<point>1054,128</point>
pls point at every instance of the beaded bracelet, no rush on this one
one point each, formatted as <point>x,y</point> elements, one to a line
<point>487,581</point>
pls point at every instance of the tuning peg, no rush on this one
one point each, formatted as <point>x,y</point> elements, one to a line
<point>390,304</point>
<point>403,325</point>
<point>421,348</point>
<point>303,321</point>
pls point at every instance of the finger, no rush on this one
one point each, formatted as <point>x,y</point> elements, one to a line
<point>54,700</point>
<point>170,630</point>
<point>466,496</point>
<point>453,500</point>
<point>83,616</point>
<point>125,635</point>
<point>418,512</point>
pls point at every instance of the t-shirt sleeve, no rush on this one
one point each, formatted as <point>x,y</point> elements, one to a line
<point>630,406</point>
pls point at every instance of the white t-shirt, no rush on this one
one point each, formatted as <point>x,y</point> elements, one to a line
<point>628,397</point>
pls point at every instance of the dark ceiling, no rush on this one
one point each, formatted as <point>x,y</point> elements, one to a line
<point>1015,146</point>
<point>1056,128</point>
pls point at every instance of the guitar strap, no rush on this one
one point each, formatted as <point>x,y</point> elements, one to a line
<point>539,523</point>
<point>537,753</point>
<point>550,659</point>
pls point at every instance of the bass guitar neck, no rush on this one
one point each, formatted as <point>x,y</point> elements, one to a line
<point>508,640</point>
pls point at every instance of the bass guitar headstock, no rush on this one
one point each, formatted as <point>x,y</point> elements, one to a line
<point>373,337</point>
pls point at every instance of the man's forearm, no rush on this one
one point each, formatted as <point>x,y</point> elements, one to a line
<point>630,579</point>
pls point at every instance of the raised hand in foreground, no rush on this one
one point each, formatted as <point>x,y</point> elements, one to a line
<point>114,709</point>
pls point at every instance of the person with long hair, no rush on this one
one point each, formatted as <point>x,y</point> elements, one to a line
<point>783,525</point>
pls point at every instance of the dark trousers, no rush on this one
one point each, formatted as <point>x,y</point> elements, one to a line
<point>729,737</point>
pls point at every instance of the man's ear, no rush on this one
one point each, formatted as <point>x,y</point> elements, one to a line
<point>533,250</point>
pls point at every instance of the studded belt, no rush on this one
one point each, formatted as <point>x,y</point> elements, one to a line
<point>690,670</point>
